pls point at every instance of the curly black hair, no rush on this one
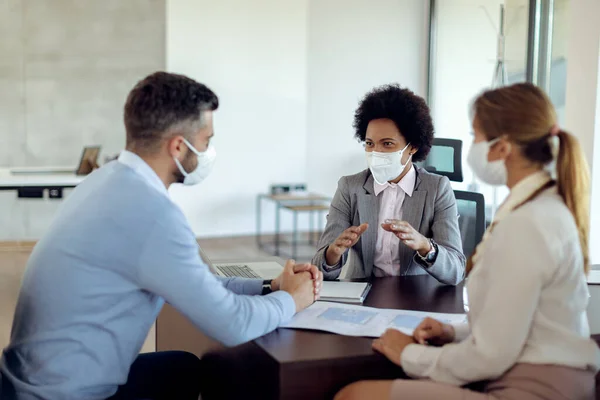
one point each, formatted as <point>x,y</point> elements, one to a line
<point>409,112</point>
<point>159,102</point>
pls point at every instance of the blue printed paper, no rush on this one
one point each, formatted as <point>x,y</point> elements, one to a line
<point>357,317</point>
<point>407,321</point>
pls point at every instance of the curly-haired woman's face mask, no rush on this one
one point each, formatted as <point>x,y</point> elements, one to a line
<point>386,150</point>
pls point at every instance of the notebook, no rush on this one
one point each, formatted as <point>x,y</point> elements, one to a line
<point>345,292</point>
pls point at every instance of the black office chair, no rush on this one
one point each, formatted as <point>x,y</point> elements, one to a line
<point>445,158</point>
<point>471,219</point>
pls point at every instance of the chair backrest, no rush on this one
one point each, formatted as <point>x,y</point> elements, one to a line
<point>471,219</point>
<point>445,158</point>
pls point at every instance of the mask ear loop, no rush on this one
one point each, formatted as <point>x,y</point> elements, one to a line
<point>508,142</point>
<point>493,142</point>
<point>192,148</point>
<point>181,169</point>
<point>409,154</point>
<point>178,163</point>
<point>495,189</point>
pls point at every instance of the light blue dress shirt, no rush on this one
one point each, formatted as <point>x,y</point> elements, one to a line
<point>94,284</point>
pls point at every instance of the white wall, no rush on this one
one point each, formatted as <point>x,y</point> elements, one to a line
<point>65,70</point>
<point>253,55</point>
<point>583,98</point>
<point>289,76</point>
<point>464,64</point>
<point>355,45</point>
<point>595,208</point>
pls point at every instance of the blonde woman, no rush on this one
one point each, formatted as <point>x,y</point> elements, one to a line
<point>528,334</point>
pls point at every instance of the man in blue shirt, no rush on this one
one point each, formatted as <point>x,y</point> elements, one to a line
<point>118,249</point>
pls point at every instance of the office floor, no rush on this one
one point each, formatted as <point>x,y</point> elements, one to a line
<point>13,259</point>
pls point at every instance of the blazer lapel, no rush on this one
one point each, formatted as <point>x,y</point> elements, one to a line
<point>412,212</point>
<point>368,209</point>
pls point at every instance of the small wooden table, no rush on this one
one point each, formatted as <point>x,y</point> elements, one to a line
<point>306,203</point>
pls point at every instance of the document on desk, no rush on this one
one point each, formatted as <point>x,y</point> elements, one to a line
<point>354,320</point>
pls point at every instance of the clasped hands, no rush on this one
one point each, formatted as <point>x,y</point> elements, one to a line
<point>430,331</point>
<point>302,281</point>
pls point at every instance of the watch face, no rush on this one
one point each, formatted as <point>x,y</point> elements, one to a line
<point>431,255</point>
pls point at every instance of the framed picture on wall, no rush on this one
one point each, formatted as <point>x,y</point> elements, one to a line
<point>88,161</point>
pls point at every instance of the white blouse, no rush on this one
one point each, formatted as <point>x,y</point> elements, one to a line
<point>527,299</point>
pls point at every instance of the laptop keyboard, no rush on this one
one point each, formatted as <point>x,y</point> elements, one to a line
<point>237,270</point>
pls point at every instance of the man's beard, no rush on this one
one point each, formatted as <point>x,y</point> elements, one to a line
<point>188,164</point>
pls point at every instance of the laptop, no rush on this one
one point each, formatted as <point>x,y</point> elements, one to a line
<point>341,292</point>
<point>257,270</point>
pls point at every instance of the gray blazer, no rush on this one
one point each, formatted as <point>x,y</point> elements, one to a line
<point>431,210</point>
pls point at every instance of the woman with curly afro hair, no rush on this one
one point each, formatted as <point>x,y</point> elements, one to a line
<point>396,218</point>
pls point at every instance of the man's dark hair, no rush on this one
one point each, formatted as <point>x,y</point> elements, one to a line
<point>409,112</point>
<point>163,105</point>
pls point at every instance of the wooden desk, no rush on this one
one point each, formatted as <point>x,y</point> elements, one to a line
<point>291,364</point>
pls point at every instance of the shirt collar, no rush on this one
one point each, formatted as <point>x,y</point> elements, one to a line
<point>407,183</point>
<point>140,166</point>
<point>522,191</point>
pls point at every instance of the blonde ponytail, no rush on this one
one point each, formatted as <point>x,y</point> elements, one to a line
<point>573,178</point>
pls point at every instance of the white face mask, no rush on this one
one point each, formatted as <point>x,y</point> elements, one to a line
<point>206,160</point>
<point>386,166</point>
<point>490,172</point>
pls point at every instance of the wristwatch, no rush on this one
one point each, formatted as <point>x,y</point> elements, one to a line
<point>429,258</point>
<point>266,287</point>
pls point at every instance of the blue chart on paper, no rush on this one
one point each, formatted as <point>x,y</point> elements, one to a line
<point>356,317</point>
<point>407,321</point>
